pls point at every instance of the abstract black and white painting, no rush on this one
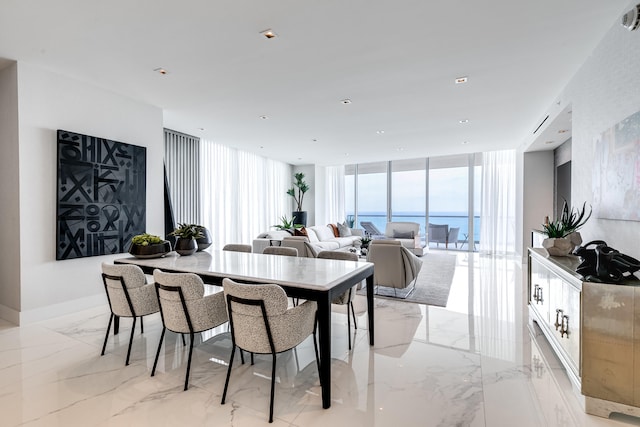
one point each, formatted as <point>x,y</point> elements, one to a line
<point>101,190</point>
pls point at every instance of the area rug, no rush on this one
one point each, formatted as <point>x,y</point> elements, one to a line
<point>433,284</point>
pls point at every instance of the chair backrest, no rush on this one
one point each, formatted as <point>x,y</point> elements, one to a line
<point>402,230</point>
<point>453,234</point>
<point>394,265</point>
<point>438,233</point>
<point>237,247</point>
<point>124,287</point>
<point>176,294</point>
<point>253,312</point>
<point>280,250</point>
<point>339,255</point>
<point>370,228</point>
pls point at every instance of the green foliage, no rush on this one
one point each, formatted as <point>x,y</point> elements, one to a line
<point>297,191</point>
<point>146,239</point>
<point>188,231</point>
<point>571,220</point>
<point>350,220</point>
<point>286,224</point>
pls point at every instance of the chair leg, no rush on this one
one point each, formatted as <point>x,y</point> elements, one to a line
<point>186,378</point>
<point>349,327</point>
<point>241,356</point>
<point>273,386</point>
<point>141,325</point>
<point>353,312</point>
<point>106,337</point>
<point>183,341</point>
<point>155,362</point>
<point>226,383</point>
<point>251,359</point>
<point>133,330</point>
<point>315,347</point>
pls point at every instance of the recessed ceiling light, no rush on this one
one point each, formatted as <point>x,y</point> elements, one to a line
<point>346,101</point>
<point>201,129</point>
<point>464,121</point>
<point>563,131</point>
<point>465,142</point>
<point>379,132</point>
<point>461,80</point>
<point>269,33</point>
<point>549,142</point>
<point>314,140</point>
<point>161,71</point>
<point>264,117</point>
<point>400,149</point>
<point>346,154</point>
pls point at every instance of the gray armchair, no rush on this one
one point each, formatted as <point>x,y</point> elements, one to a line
<point>262,323</point>
<point>394,265</point>
<point>185,309</point>
<point>129,295</point>
<point>441,233</point>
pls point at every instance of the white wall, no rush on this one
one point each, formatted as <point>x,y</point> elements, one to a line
<point>9,200</point>
<point>48,102</point>
<point>603,92</point>
<point>537,194</point>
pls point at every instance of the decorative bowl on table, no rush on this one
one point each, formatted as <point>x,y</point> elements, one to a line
<point>149,246</point>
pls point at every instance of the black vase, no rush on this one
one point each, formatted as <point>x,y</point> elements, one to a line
<point>186,246</point>
<point>299,217</point>
<point>156,250</point>
<point>205,241</point>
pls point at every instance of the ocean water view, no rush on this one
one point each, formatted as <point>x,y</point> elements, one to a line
<point>453,219</point>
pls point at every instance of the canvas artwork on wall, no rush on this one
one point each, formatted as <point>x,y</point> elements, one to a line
<point>616,175</point>
<point>101,189</point>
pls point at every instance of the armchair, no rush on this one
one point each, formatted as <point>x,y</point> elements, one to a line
<point>441,233</point>
<point>394,265</point>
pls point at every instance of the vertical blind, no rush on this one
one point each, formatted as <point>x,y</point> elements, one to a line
<point>182,160</point>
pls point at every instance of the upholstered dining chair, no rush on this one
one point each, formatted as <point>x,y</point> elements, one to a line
<point>129,295</point>
<point>280,250</point>
<point>185,309</point>
<point>347,297</point>
<point>394,265</point>
<point>236,247</point>
<point>262,323</point>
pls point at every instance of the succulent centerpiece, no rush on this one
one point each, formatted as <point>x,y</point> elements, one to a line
<point>149,246</point>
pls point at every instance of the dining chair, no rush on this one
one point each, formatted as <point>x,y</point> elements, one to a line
<point>280,250</point>
<point>346,298</point>
<point>129,295</point>
<point>185,309</point>
<point>237,247</point>
<point>262,323</point>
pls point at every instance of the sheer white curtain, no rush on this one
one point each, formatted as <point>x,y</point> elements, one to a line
<point>498,217</point>
<point>242,194</point>
<point>334,207</point>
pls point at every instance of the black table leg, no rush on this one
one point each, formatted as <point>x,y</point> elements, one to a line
<point>370,307</point>
<point>116,325</point>
<point>324,332</point>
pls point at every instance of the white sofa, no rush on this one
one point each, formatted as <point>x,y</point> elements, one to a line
<point>321,238</point>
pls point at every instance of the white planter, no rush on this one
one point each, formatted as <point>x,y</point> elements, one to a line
<point>558,246</point>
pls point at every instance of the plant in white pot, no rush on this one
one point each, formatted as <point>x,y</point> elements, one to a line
<point>562,234</point>
<point>297,192</point>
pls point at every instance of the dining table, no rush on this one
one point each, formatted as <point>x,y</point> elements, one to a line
<point>319,280</point>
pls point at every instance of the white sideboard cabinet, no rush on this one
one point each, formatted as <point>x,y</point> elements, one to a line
<point>594,329</point>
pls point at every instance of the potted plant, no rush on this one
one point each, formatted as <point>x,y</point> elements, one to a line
<point>562,234</point>
<point>187,235</point>
<point>297,192</point>
<point>286,224</point>
<point>149,246</point>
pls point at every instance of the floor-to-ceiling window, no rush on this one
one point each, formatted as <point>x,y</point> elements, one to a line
<point>437,190</point>
<point>409,191</point>
<point>371,194</point>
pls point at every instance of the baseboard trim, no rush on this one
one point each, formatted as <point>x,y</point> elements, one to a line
<point>9,314</point>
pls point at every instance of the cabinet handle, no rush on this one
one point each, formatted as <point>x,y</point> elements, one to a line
<point>565,326</point>
<point>558,313</point>
<point>537,294</point>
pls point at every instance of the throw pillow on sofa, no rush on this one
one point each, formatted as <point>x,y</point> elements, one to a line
<point>344,230</point>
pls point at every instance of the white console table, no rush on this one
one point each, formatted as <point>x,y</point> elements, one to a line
<point>594,329</point>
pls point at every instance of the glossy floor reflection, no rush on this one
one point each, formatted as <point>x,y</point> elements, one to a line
<point>473,363</point>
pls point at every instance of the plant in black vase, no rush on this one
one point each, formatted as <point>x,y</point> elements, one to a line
<point>187,235</point>
<point>149,246</point>
<point>297,192</point>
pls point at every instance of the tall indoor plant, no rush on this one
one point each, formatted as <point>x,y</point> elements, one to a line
<point>297,192</point>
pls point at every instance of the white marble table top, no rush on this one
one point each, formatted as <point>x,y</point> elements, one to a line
<point>307,273</point>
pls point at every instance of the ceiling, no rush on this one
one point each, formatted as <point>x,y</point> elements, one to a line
<point>395,60</point>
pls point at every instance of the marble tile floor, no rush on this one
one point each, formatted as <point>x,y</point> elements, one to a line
<point>477,362</point>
